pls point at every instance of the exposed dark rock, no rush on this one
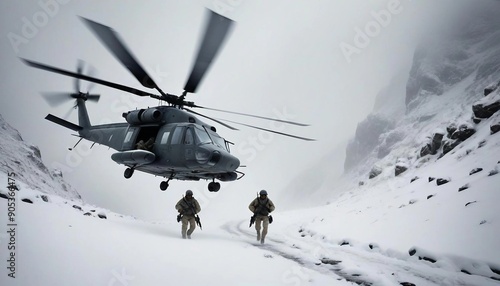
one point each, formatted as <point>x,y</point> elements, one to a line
<point>430,196</point>
<point>463,188</point>
<point>469,203</point>
<point>431,179</point>
<point>344,242</point>
<point>330,261</point>
<point>476,120</point>
<point>426,150</point>
<point>437,139</point>
<point>442,181</point>
<point>87,214</point>
<point>433,146</point>
<point>26,200</point>
<point>361,183</point>
<point>414,179</point>
<point>465,271</point>
<point>495,270</point>
<point>407,284</point>
<point>102,215</point>
<point>375,171</point>
<point>489,89</point>
<point>463,132</point>
<point>366,139</point>
<point>431,260</point>
<point>475,170</point>
<point>421,256</point>
<point>495,128</point>
<point>399,169</point>
<point>481,144</point>
<point>486,110</point>
<point>451,129</point>
<point>77,207</point>
<point>493,172</point>
<point>450,145</point>
<point>45,198</point>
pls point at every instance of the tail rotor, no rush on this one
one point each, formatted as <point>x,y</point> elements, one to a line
<point>55,99</point>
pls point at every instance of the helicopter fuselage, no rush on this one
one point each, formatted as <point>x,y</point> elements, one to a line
<point>164,141</point>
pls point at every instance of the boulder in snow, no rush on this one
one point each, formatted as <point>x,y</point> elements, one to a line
<point>475,170</point>
<point>442,181</point>
<point>375,171</point>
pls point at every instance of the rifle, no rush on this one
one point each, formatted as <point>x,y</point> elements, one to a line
<point>252,220</point>
<point>198,222</point>
<point>196,217</point>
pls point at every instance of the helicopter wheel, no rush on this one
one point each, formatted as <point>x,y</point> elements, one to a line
<point>163,185</point>
<point>128,173</point>
<point>213,186</point>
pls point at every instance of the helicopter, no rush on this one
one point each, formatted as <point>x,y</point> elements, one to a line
<point>169,140</point>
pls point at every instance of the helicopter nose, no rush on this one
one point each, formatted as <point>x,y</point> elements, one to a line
<point>229,162</point>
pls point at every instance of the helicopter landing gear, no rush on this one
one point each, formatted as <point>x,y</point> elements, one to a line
<point>164,185</point>
<point>128,173</point>
<point>213,186</point>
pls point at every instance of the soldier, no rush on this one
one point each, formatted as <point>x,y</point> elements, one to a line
<point>261,207</point>
<point>188,207</point>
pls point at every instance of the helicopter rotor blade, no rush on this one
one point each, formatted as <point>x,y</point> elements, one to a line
<point>90,79</point>
<point>55,99</point>
<point>272,131</point>
<point>216,31</point>
<point>116,46</point>
<point>93,97</point>
<point>213,119</point>
<point>79,70</point>
<point>256,116</point>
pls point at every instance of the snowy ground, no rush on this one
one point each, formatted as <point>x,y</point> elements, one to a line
<point>57,245</point>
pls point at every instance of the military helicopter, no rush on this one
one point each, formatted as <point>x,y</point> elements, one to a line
<point>169,141</point>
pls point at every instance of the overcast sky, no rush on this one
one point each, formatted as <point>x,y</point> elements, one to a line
<point>318,62</point>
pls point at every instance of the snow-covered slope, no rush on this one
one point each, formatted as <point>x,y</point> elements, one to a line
<point>60,243</point>
<point>25,161</point>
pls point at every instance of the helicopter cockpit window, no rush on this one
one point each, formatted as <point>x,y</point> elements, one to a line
<point>189,138</point>
<point>219,141</point>
<point>176,137</point>
<point>164,137</point>
<point>128,136</point>
<point>202,136</point>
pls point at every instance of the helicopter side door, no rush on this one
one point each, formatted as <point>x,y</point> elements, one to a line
<point>129,140</point>
<point>181,149</point>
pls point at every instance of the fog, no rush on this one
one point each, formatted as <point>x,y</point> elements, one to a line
<point>320,62</point>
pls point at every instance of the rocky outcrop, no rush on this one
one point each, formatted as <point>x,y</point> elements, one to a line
<point>25,160</point>
<point>366,139</point>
